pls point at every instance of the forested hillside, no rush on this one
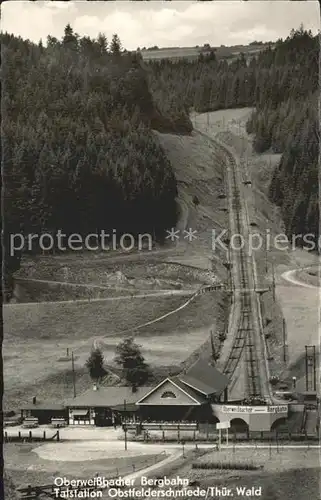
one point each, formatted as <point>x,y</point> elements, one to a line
<point>80,154</point>
<point>287,121</point>
<point>282,84</point>
<point>78,114</point>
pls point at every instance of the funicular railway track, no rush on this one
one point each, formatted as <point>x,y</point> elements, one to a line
<point>248,343</point>
<point>245,342</point>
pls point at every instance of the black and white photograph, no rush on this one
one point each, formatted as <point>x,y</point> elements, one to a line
<point>161,249</point>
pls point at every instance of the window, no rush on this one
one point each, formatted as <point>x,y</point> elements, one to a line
<point>168,394</point>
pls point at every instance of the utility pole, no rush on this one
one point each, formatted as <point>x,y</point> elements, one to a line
<point>306,369</point>
<point>273,282</point>
<point>73,372</point>
<point>266,260</point>
<point>310,367</point>
<point>212,346</point>
<point>229,271</point>
<point>284,340</point>
<point>125,426</point>
<point>314,368</point>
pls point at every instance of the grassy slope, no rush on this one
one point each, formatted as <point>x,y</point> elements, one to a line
<point>37,336</point>
<point>198,174</point>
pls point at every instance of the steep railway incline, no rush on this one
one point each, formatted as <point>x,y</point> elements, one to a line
<point>245,326</point>
<point>247,334</point>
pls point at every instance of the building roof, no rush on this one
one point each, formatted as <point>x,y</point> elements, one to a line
<point>43,405</point>
<point>107,397</point>
<point>130,407</point>
<point>197,385</point>
<point>189,390</point>
<point>205,378</point>
<point>199,382</point>
<point>195,396</point>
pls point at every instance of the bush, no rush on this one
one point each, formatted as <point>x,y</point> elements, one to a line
<point>274,379</point>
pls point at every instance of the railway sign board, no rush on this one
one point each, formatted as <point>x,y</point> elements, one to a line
<point>255,409</point>
<point>219,427</point>
<point>223,425</point>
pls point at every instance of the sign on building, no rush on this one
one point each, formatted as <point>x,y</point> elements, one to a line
<point>255,409</point>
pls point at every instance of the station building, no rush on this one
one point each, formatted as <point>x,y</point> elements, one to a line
<point>186,397</point>
<point>198,395</point>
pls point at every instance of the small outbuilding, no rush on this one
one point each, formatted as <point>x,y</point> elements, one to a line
<point>44,411</point>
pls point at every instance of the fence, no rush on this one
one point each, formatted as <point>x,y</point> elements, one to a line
<point>30,436</point>
<point>193,436</point>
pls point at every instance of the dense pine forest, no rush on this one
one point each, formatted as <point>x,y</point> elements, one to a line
<point>78,119</point>
<point>282,84</point>
<point>80,154</point>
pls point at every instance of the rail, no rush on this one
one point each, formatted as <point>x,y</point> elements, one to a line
<point>245,339</point>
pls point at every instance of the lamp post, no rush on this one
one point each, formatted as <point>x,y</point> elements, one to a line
<point>73,372</point>
<point>125,426</point>
<point>183,443</point>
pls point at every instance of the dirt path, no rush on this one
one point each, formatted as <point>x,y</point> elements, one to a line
<point>171,458</point>
<point>174,311</point>
<point>161,293</point>
<point>290,277</point>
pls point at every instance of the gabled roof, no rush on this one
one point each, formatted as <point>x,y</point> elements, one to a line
<point>205,378</point>
<point>188,390</point>
<point>107,397</point>
<point>197,398</point>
